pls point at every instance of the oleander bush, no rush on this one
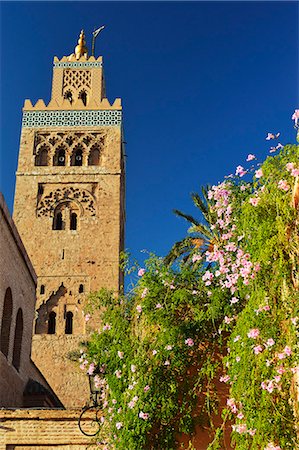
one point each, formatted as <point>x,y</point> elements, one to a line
<point>222,307</point>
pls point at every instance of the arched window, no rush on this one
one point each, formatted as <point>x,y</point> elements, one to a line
<point>83,96</point>
<point>81,288</point>
<point>59,157</point>
<point>69,323</point>
<point>94,156</point>
<point>73,221</point>
<point>42,289</point>
<point>16,359</point>
<point>69,96</point>
<point>77,158</point>
<point>6,322</point>
<point>41,158</point>
<point>58,223</point>
<point>52,323</point>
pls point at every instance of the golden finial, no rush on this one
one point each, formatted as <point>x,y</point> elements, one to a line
<point>81,48</point>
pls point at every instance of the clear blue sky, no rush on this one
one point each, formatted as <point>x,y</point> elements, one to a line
<point>201,82</point>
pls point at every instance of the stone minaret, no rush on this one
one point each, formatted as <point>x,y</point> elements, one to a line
<point>69,210</point>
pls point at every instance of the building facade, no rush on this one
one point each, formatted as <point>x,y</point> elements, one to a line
<point>69,210</point>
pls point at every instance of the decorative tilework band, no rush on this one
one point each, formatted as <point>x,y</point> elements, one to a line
<point>78,64</point>
<point>43,119</point>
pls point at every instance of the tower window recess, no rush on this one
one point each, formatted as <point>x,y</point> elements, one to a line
<point>83,96</point>
<point>58,223</point>
<point>77,157</point>
<point>81,288</point>
<point>52,323</point>
<point>94,156</point>
<point>69,96</point>
<point>59,157</point>
<point>42,289</point>
<point>18,340</point>
<point>41,158</point>
<point>73,221</point>
<point>6,322</point>
<point>69,323</point>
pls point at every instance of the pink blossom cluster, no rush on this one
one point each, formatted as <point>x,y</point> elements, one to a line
<point>272,446</point>
<point>236,408</point>
<point>292,169</point>
<point>283,185</point>
<point>241,428</point>
<point>189,342</point>
<point>133,402</point>
<point>270,385</point>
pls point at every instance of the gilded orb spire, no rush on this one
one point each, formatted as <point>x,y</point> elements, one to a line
<point>81,48</point>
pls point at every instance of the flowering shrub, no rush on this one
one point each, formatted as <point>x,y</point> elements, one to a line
<point>228,313</point>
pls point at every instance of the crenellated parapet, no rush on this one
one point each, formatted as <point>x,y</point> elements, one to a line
<point>64,104</point>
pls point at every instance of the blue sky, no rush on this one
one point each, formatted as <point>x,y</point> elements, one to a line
<point>201,83</point>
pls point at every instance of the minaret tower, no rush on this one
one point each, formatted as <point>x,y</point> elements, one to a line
<point>69,210</point>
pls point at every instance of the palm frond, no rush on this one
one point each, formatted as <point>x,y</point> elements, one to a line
<point>179,249</point>
<point>186,217</point>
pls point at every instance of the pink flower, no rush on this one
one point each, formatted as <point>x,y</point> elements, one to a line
<point>253,333</point>
<point>167,363</point>
<point>118,373</point>
<point>295,116</point>
<point>155,352</point>
<point>237,338</point>
<point>234,300</point>
<point>139,308</point>
<point>120,354</point>
<point>144,292</point>
<point>258,173</point>
<point>240,415</point>
<point>143,415</point>
<point>272,446</point>
<point>224,379</point>
<point>254,201</point>
<point>91,369</point>
<point>295,173</point>
<point>240,171</point>
<point>257,349</point>
<point>106,327</point>
<point>133,368</point>
<point>281,355</point>
<point>146,388</point>
<point>118,425</point>
<point>189,342</point>
<point>114,401</point>
<point>87,317</point>
<point>196,258</point>
<point>250,157</point>
<point>141,272</point>
<point>252,432</point>
<point>168,347</point>
<point>290,166</point>
<point>238,359</point>
<point>287,351</point>
<point>270,342</point>
<point>158,306</point>
<point>283,185</point>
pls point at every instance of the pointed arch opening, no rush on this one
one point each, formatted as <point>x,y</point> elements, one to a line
<point>69,96</point>
<point>58,222</point>
<point>83,96</point>
<point>73,221</point>
<point>69,323</point>
<point>81,288</point>
<point>42,158</point>
<point>77,156</point>
<point>17,348</point>
<point>59,157</point>
<point>52,323</point>
<point>6,322</point>
<point>94,156</point>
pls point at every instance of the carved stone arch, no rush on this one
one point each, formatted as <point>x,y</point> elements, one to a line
<point>69,95</point>
<point>94,155</point>
<point>84,94</point>
<point>72,203</point>
<point>48,202</point>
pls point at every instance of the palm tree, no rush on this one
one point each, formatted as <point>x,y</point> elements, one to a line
<point>203,237</point>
